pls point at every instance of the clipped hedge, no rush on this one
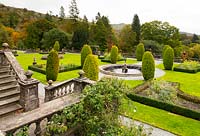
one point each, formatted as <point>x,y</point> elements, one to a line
<point>148,66</point>
<point>52,66</point>
<point>179,69</point>
<point>56,46</point>
<point>165,106</point>
<point>39,70</point>
<point>114,54</point>
<point>86,50</point>
<point>64,68</point>
<point>168,58</point>
<point>91,67</point>
<point>139,51</point>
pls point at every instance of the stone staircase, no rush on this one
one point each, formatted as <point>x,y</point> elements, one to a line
<point>9,92</point>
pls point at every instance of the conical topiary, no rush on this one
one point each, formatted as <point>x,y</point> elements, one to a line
<point>148,66</point>
<point>114,54</point>
<point>52,65</point>
<point>91,67</point>
<point>86,50</point>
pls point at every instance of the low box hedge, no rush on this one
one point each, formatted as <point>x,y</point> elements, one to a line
<point>165,106</point>
<point>66,68</point>
<point>185,70</point>
<point>36,69</point>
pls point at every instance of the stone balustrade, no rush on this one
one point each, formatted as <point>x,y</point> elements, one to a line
<point>38,116</point>
<point>64,88</point>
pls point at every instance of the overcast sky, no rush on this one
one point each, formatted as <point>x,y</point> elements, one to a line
<point>184,14</point>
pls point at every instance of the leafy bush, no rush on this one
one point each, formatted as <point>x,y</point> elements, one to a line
<point>148,66</point>
<point>114,54</point>
<point>86,50</point>
<point>154,46</point>
<point>139,51</point>
<point>168,58</point>
<point>97,114</point>
<point>56,46</point>
<point>52,66</point>
<point>91,67</point>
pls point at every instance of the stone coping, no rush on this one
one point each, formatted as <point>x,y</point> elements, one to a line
<point>105,70</point>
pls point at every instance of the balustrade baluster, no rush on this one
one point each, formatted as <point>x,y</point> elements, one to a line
<point>38,129</point>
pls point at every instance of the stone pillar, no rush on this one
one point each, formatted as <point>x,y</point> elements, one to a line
<point>29,93</point>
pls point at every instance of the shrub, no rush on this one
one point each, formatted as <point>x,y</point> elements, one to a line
<point>164,48</point>
<point>52,66</point>
<point>114,54</point>
<point>168,58</point>
<point>91,67</point>
<point>139,51</point>
<point>86,50</point>
<point>148,66</point>
<point>56,46</point>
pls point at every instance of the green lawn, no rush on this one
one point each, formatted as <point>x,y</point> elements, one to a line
<point>27,59</point>
<point>171,122</point>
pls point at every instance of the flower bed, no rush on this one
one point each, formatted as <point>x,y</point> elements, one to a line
<point>188,67</point>
<point>167,96</point>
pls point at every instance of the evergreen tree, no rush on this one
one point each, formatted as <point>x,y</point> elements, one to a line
<point>62,12</point>
<point>81,35</point>
<point>73,10</point>
<point>195,38</point>
<point>136,28</point>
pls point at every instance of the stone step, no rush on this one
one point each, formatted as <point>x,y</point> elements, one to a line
<point>8,88</point>
<point>9,93</point>
<point>4,72</point>
<point>10,108</point>
<point>8,82</point>
<point>3,68</point>
<point>14,99</point>
<point>6,77</point>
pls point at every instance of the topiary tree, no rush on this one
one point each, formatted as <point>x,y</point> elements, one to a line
<point>86,50</point>
<point>91,67</point>
<point>148,66</point>
<point>164,48</point>
<point>168,58</point>
<point>139,51</point>
<point>56,46</point>
<point>52,65</point>
<point>114,54</point>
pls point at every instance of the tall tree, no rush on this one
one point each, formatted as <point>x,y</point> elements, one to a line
<point>81,34</point>
<point>136,28</point>
<point>161,32</point>
<point>126,39</point>
<point>35,31</point>
<point>73,10</point>
<point>101,33</point>
<point>195,38</point>
<point>62,12</point>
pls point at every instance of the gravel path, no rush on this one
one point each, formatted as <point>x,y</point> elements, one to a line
<point>155,131</point>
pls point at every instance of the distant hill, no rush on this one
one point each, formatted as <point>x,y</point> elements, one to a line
<point>19,15</point>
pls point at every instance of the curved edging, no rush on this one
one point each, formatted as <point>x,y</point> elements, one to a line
<point>103,69</point>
